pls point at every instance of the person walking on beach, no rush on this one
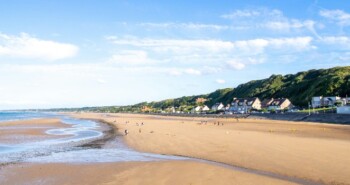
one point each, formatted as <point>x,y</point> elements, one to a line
<point>126,131</point>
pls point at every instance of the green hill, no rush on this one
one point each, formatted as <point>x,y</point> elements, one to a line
<point>299,88</point>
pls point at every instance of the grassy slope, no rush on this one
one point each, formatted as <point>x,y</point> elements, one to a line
<point>299,88</point>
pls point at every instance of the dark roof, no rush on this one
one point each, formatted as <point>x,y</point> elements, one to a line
<point>245,100</point>
<point>266,102</point>
<point>278,101</point>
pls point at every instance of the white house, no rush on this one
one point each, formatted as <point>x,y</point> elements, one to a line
<point>320,101</point>
<point>330,100</point>
<point>280,104</point>
<point>217,106</point>
<point>316,101</point>
<point>205,108</point>
<point>343,110</point>
<point>196,109</point>
<point>199,109</point>
<point>345,101</point>
<point>240,105</point>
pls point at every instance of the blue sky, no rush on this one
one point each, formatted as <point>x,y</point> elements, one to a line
<point>62,53</point>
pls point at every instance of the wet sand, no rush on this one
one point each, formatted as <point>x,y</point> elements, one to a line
<point>317,152</point>
<point>14,132</point>
<point>130,173</point>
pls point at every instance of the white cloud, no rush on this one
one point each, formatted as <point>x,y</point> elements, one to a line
<point>271,19</point>
<point>188,26</point>
<point>211,55</point>
<point>235,64</point>
<point>174,45</point>
<point>182,46</point>
<point>220,81</point>
<point>131,57</point>
<point>339,16</point>
<point>249,13</point>
<point>339,42</point>
<point>26,46</point>
<point>290,25</point>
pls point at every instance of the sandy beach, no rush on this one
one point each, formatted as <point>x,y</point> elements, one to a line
<point>316,153</point>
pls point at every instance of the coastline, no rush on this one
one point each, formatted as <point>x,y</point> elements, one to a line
<point>282,148</point>
<point>163,172</point>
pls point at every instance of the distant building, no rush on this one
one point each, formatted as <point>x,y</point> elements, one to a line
<point>345,101</point>
<point>330,100</point>
<point>199,109</point>
<point>266,103</point>
<point>218,106</point>
<point>280,104</point>
<point>316,101</point>
<point>343,109</point>
<point>244,105</point>
<point>196,109</point>
<point>205,108</point>
<point>320,101</point>
<point>200,100</point>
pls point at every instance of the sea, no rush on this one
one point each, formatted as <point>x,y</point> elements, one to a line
<point>23,115</point>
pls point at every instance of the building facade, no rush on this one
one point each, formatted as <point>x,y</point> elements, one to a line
<point>245,105</point>
<point>280,104</point>
<point>218,106</point>
<point>326,101</point>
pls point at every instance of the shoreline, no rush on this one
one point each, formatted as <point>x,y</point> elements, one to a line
<point>270,151</point>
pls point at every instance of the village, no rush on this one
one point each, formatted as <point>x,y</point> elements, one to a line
<point>318,104</point>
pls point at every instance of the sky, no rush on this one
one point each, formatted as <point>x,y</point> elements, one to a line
<point>63,53</point>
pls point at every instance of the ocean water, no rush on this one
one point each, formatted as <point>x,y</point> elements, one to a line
<point>67,149</point>
<point>17,115</point>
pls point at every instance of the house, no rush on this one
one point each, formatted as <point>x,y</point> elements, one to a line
<point>227,107</point>
<point>316,101</point>
<point>199,109</point>
<point>345,101</point>
<point>205,108</point>
<point>266,103</point>
<point>343,109</point>
<point>320,101</point>
<point>330,100</point>
<point>217,106</point>
<point>244,105</point>
<point>280,104</point>
<point>200,100</point>
<point>196,109</point>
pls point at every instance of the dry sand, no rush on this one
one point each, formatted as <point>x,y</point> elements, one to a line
<point>318,152</point>
<point>28,130</point>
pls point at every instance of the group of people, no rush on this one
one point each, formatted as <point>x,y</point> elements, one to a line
<point>126,132</point>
